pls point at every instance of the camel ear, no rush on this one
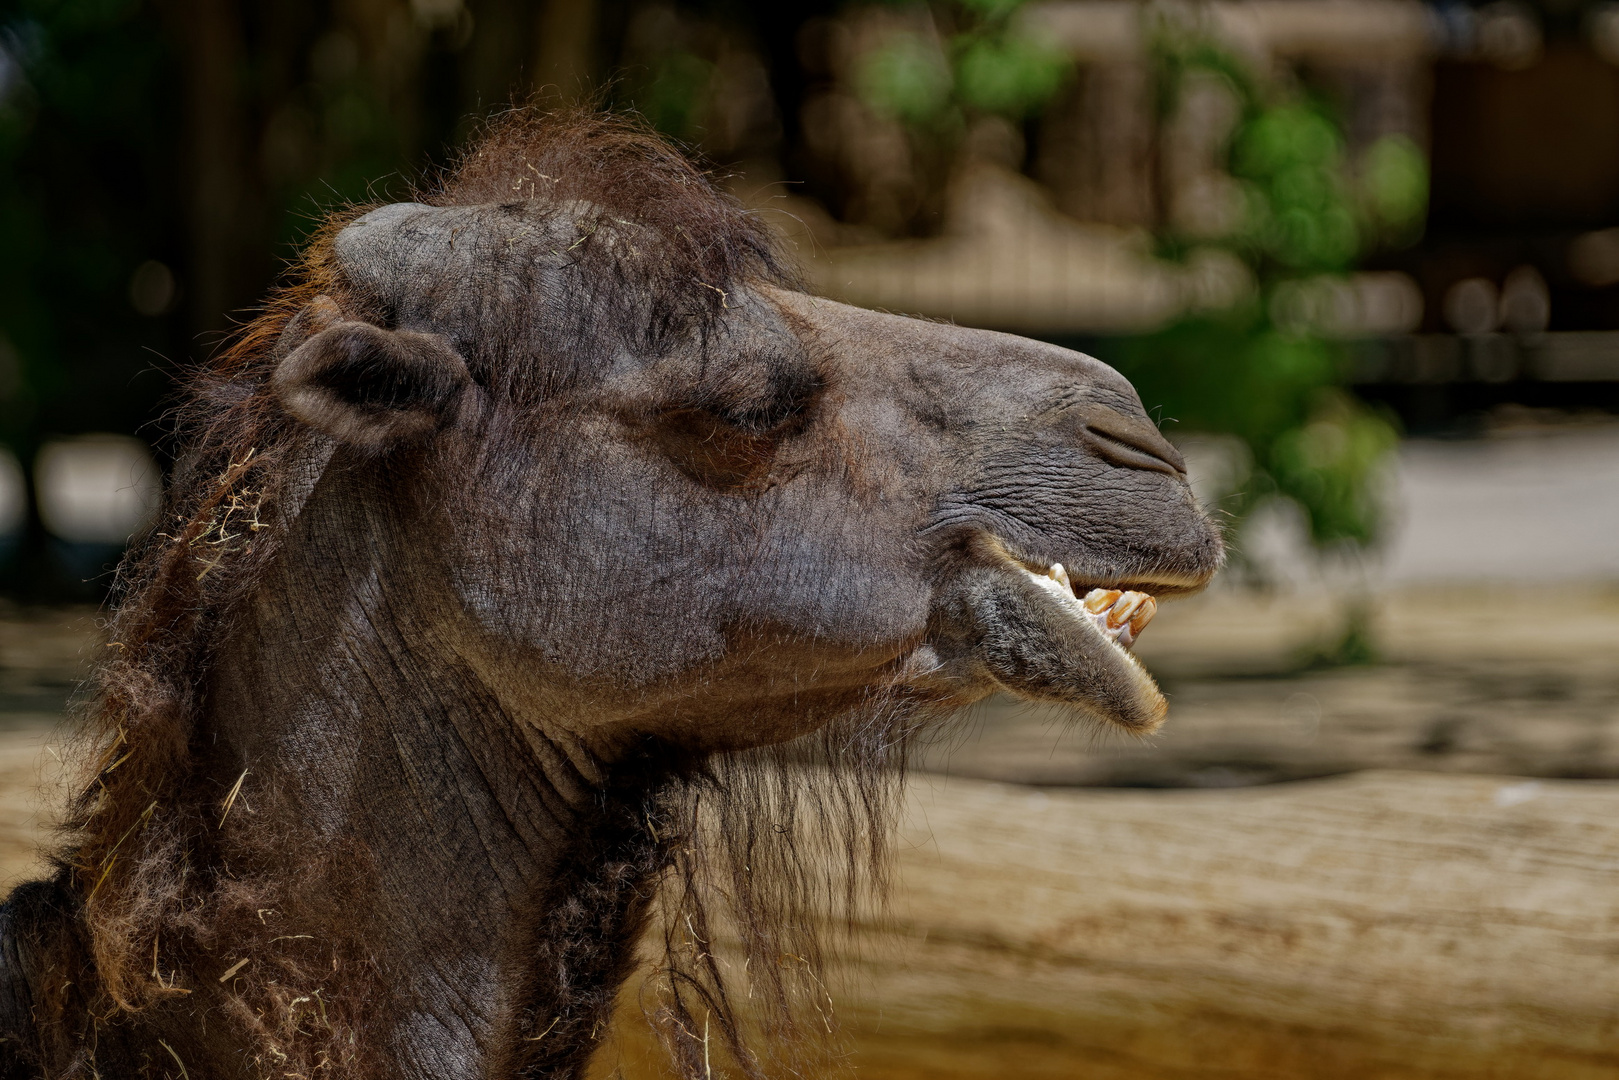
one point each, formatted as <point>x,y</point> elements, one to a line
<point>370,387</point>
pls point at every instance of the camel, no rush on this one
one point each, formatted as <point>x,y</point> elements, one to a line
<point>517,552</point>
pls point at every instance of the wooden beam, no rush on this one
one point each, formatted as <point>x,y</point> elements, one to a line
<point>1389,924</point>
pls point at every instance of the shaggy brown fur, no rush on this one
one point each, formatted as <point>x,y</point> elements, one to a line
<point>209,918</point>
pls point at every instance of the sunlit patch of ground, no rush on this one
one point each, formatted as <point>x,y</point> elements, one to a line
<point>44,655</point>
<point>1506,680</point>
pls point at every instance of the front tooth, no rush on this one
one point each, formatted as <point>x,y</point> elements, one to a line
<point>1061,576</point>
<point>1099,600</point>
<point>1120,613</point>
<point>1144,613</point>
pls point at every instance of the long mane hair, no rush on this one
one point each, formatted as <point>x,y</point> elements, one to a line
<point>750,851</point>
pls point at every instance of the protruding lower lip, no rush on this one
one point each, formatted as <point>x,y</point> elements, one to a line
<point>1046,634</point>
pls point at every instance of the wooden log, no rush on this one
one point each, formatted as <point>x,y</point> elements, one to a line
<point>1384,926</point>
<point>1388,925</point>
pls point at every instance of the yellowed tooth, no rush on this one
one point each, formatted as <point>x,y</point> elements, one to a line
<point>1099,600</point>
<point>1120,612</point>
<point>1144,613</point>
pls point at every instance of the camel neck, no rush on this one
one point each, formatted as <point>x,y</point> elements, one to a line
<point>484,887</point>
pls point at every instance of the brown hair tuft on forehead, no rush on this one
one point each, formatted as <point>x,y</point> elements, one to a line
<point>627,170</point>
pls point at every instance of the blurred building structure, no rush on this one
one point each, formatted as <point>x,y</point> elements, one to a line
<point>158,161</point>
<point>1105,155</point>
<point>1509,297</point>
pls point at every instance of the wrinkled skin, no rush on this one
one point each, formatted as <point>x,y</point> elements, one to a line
<point>540,552</point>
<point>807,478</point>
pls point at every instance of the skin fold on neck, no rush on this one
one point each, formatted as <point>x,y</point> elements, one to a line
<point>487,875</point>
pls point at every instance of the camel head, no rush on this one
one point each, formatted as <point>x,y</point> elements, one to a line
<point>661,485</point>
<point>524,502</point>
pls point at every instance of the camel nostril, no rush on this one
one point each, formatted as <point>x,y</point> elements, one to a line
<point>1132,441</point>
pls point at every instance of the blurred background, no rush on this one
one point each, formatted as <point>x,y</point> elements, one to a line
<point>1360,257</point>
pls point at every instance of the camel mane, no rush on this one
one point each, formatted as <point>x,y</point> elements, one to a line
<point>745,828</point>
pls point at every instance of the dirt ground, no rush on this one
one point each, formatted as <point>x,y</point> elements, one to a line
<point>1508,681</point>
<point>43,656</point>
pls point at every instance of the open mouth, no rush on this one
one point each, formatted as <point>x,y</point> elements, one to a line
<point>1046,633</point>
<point>1119,615</point>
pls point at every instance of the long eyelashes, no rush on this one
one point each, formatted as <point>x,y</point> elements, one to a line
<point>781,405</point>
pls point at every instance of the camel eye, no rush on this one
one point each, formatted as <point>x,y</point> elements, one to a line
<point>778,407</point>
<point>730,436</point>
<point>717,453</point>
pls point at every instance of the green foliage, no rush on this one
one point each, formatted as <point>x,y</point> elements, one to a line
<point>907,79</point>
<point>1010,76</point>
<point>1329,465</point>
<point>992,9</point>
<point>1235,373</point>
<point>986,66</point>
<point>672,99</point>
<point>1230,372</point>
<point>1308,440</point>
<point>1304,214</point>
<point>1394,178</point>
<point>1299,214</point>
<point>1278,387</point>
